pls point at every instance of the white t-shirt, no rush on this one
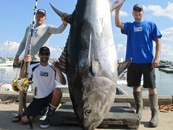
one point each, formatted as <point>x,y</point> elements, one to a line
<point>43,78</point>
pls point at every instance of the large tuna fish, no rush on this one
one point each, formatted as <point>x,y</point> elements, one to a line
<point>91,61</point>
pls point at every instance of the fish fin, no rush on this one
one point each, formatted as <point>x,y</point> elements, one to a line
<point>95,67</point>
<point>61,62</point>
<point>122,66</point>
<point>61,14</point>
<point>116,4</point>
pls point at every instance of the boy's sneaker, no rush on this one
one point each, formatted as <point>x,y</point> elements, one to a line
<point>45,124</point>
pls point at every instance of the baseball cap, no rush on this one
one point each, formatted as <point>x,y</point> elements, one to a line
<point>44,49</point>
<point>41,11</point>
<point>138,7</point>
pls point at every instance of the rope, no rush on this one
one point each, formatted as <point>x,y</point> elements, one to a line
<point>166,108</point>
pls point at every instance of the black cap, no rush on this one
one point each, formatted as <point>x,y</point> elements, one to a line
<point>44,50</point>
<point>41,11</point>
<point>138,7</point>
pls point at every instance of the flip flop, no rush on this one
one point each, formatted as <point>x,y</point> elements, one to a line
<point>16,118</point>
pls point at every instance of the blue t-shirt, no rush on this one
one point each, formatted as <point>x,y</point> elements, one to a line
<point>140,37</point>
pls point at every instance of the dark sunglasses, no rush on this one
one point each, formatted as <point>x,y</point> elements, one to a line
<point>44,54</point>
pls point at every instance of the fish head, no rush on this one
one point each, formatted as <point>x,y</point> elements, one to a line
<point>98,96</point>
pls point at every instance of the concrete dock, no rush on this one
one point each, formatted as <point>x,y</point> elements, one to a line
<point>8,107</point>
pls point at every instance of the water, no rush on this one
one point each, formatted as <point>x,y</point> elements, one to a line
<point>164,84</point>
<point>164,81</point>
<point>7,74</point>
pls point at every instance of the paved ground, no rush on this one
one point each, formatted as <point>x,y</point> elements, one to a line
<point>7,111</point>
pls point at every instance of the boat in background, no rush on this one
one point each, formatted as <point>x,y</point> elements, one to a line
<point>6,86</point>
<point>164,64</point>
<point>5,62</point>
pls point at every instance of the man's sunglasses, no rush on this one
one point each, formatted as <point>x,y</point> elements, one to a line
<point>44,54</point>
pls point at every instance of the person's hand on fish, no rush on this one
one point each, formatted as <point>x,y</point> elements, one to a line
<point>63,19</point>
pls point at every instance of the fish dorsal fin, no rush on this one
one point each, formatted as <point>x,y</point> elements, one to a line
<point>122,66</point>
<point>115,4</point>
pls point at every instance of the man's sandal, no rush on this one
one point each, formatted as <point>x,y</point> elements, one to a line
<point>16,118</point>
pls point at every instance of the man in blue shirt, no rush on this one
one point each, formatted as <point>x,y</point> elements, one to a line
<point>140,37</point>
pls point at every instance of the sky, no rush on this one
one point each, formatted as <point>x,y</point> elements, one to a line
<point>16,15</point>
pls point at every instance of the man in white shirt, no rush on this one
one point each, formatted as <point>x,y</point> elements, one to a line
<point>42,33</point>
<point>45,91</point>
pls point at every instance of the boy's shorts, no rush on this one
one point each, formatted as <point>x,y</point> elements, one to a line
<point>135,73</point>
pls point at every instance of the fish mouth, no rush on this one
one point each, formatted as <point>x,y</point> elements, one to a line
<point>93,125</point>
<point>99,94</point>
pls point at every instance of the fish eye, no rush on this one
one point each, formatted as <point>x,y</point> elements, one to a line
<point>87,112</point>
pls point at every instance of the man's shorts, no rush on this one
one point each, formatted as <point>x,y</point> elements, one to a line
<point>135,73</point>
<point>37,105</point>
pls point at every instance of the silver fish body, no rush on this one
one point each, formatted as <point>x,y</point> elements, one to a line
<point>91,62</point>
